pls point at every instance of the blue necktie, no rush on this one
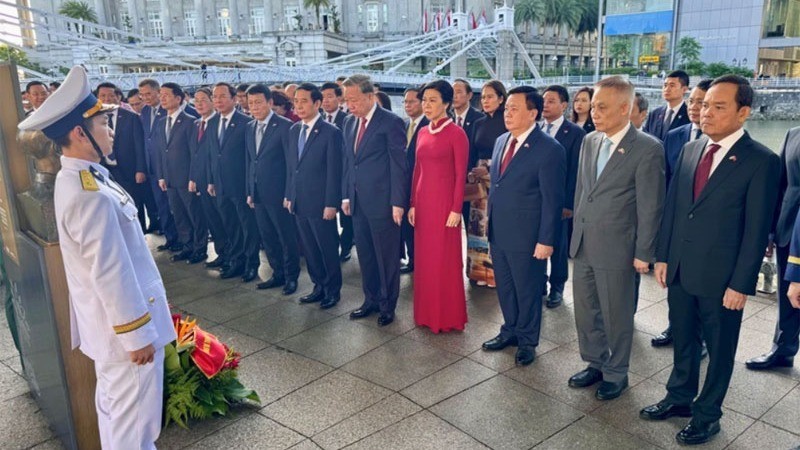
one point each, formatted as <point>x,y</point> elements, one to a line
<point>222,131</point>
<point>603,156</point>
<point>301,141</point>
<point>549,128</point>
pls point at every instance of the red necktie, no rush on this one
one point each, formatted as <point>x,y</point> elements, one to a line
<point>459,120</point>
<point>361,130</point>
<point>330,118</point>
<point>201,130</point>
<point>704,170</point>
<point>509,154</point>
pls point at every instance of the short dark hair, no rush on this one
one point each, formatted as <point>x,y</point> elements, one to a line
<point>640,102</point>
<point>442,87</point>
<point>533,99</point>
<point>34,83</point>
<point>744,92</point>
<point>562,92</point>
<point>259,88</point>
<point>242,87</point>
<point>337,90</point>
<point>704,84</point>
<point>175,88</point>
<point>385,101</point>
<point>133,92</point>
<point>341,78</point>
<point>466,84</point>
<point>105,85</point>
<point>230,88</point>
<point>118,92</point>
<point>55,84</point>
<point>316,94</point>
<point>279,98</point>
<point>204,90</point>
<point>416,89</point>
<point>682,76</point>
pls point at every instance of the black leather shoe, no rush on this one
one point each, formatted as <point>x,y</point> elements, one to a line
<point>175,248</point>
<point>344,257</point>
<point>525,355</point>
<point>385,319</point>
<point>499,343</point>
<point>663,339</point>
<point>554,299</point>
<point>197,258</point>
<point>585,378</point>
<point>697,433</point>
<point>290,288</point>
<point>609,390</point>
<point>232,271</point>
<point>313,297</point>
<point>249,275</point>
<point>329,302</point>
<point>182,256</point>
<point>362,312</point>
<point>216,263</point>
<point>271,283</point>
<point>663,411</point>
<point>407,268</point>
<point>165,246</point>
<point>768,361</point>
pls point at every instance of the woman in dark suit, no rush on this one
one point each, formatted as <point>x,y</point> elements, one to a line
<point>582,109</point>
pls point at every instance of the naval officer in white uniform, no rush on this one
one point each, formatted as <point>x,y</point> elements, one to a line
<point>118,306</point>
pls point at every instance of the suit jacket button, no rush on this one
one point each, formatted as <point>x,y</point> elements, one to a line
<point>590,199</point>
<point>497,185</point>
<point>151,300</point>
<point>691,215</point>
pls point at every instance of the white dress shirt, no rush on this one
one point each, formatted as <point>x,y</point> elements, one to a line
<point>556,125</point>
<point>520,139</point>
<point>227,118</point>
<point>725,146</point>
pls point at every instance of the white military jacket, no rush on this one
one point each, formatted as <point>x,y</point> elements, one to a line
<point>117,299</point>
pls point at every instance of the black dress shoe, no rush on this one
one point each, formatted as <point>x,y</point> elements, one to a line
<point>385,319</point>
<point>344,257</point>
<point>499,343</point>
<point>197,258</point>
<point>174,248</point>
<point>697,432</point>
<point>362,312</point>
<point>609,390</point>
<point>525,355</point>
<point>329,302</point>
<point>313,297</point>
<point>554,299</point>
<point>216,263</point>
<point>165,246</point>
<point>585,378</point>
<point>663,411</point>
<point>182,256</point>
<point>407,268</point>
<point>663,339</point>
<point>232,271</point>
<point>271,283</point>
<point>768,361</point>
<point>290,288</point>
<point>249,275</point>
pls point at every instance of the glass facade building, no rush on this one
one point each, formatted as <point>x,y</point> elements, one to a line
<point>779,49</point>
<point>638,32</point>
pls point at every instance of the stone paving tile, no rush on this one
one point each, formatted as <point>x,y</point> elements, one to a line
<point>400,363</point>
<point>280,321</point>
<point>447,382</point>
<point>253,431</point>
<point>403,321</point>
<point>752,343</point>
<point>463,343</point>
<point>589,432</point>
<point>645,359</point>
<point>784,413</point>
<point>650,290</point>
<point>753,393</point>
<point>12,384</point>
<point>242,343</point>
<point>228,305</point>
<point>504,414</point>
<point>422,431</point>
<point>558,325</point>
<point>23,424</point>
<point>175,437</point>
<point>7,348</point>
<point>308,444</point>
<point>761,435</point>
<point>14,363</point>
<point>52,444</point>
<point>193,288</point>
<point>274,372</point>
<point>652,320</point>
<point>504,359</point>
<point>325,402</point>
<point>358,426</point>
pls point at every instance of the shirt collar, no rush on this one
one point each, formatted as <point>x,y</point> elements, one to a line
<point>556,123</point>
<point>175,114</point>
<point>371,113</point>
<point>210,116</point>
<point>311,122</point>
<point>463,115</point>
<point>227,116</point>
<point>267,119</point>
<point>524,136</point>
<point>617,138</point>
<point>730,140</point>
<point>676,108</point>
<point>82,164</point>
<point>332,114</point>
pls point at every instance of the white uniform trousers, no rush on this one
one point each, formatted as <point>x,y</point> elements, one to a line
<point>129,400</point>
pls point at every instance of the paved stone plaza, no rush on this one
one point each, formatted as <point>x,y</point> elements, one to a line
<point>328,382</point>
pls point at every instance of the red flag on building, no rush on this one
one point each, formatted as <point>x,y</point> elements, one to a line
<point>425,21</point>
<point>449,17</point>
<point>472,23</point>
<point>482,19</point>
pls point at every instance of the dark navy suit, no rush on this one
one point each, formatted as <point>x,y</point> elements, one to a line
<point>407,231</point>
<point>673,144</point>
<point>314,182</point>
<point>374,180</point>
<point>525,204</point>
<point>165,220</point>
<point>345,221</point>
<point>266,185</point>
<point>198,172</point>
<point>654,125</point>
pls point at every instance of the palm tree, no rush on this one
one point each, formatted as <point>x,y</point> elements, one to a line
<point>77,9</point>
<point>528,12</point>
<point>588,23</point>
<point>561,13</point>
<point>317,4</point>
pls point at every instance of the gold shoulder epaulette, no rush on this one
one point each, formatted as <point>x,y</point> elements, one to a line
<point>88,182</point>
<point>133,325</point>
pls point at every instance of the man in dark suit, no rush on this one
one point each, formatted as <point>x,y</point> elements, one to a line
<point>619,196</point>
<point>332,113</point>
<point>149,90</point>
<point>570,136</point>
<point>525,208</point>
<point>228,182</point>
<point>374,193</point>
<point>785,342</point>
<point>127,162</point>
<point>715,229</point>
<point>673,114</point>
<point>465,117</point>
<point>314,191</point>
<point>173,137</point>
<point>673,145</point>
<point>198,177</point>
<point>266,141</point>
<point>412,103</point>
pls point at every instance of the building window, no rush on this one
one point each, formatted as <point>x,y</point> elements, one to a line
<point>190,23</point>
<point>291,62</point>
<point>290,14</point>
<point>781,18</point>
<point>257,21</point>
<point>154,25</point>
<point>103,69</point>
<point>373,17</point>
<point>224,22</point>
<point>126,22</point>
<point>637,6</point>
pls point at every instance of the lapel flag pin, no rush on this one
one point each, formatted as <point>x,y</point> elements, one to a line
<point>733,158</point>
<point>526,145</point>
<point>621,151</point>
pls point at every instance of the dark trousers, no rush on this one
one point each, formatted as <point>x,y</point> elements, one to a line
<point>189,220</point>
<point>407,240</point>
<point>785,342</point>
<point>320,240</point>
<point>346,238</point>
<point>465,213</point>
<point>228,210</point>
<point>690,316</point>
<point>142,197</point>
<point>519,278</point>
<point>216,226</point>
<point>165,220</point>
<point>279,239</point>
<point>559,269</point>
<point>377,241</point>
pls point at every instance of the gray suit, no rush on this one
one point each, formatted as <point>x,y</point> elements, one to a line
<point>617,217</point>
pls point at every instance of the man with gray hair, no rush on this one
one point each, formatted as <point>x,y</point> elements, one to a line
<point>618,204</point>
